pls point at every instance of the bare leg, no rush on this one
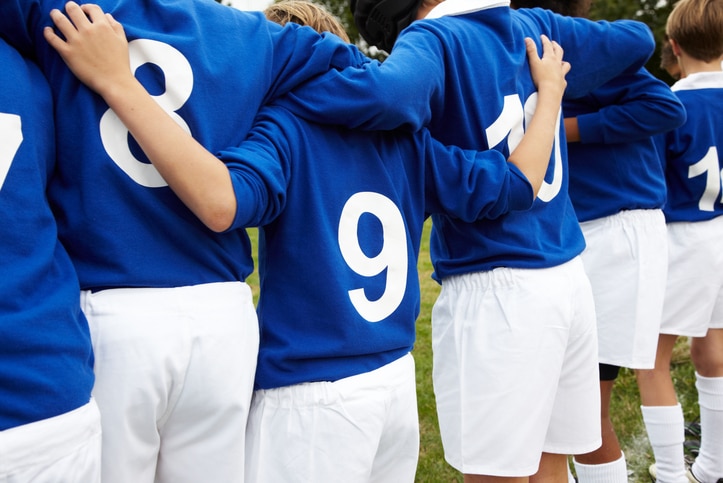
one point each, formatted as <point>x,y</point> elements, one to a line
<point>553,469</point>
<point>656,385</point>
<point>495,479</point>
<point>610,450</point>
<point>707,353</point>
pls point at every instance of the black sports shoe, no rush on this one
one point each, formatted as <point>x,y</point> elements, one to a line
<point>692,430</point>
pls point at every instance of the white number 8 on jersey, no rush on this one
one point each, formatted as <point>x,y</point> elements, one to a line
<point>114,134</point>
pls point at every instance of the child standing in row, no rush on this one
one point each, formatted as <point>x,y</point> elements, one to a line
<point>617,187</point>
<point>693,304</point>
<point>49,426</point>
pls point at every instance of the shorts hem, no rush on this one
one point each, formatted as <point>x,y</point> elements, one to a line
<point>573,448</point>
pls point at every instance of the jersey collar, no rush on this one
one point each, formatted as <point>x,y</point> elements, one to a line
<point>461,7</point>
<point>700,80</point>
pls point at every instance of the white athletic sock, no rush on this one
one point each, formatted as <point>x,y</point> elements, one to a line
<point>708,465</point>
<point>666,433</point>
<point>613,472</point>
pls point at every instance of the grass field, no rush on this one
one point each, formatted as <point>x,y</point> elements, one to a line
<point>625,405</point>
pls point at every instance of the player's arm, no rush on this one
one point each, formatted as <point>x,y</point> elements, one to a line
<point>94,46</point>
<point>635,106</point>
<point>572,130</point>
<point>532,155</point>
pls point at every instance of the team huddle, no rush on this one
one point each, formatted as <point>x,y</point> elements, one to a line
<point>575,202</point>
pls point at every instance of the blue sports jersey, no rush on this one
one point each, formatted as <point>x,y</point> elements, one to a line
<point>343,214</point>
<point>615,166</point>
<point>463,71</point>
<point>210,66</point>
<point>46,366</point>
<point>693,153</point>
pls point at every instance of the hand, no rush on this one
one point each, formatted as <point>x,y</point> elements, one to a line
<point>548,72</point>
<point>93,45</point>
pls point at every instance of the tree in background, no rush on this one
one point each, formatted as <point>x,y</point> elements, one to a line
<point>651,12</point>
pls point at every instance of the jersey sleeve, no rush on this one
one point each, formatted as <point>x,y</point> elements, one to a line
<point>300,53</point>
<point>472,185</point>
<point>633,107</point>
<point>396,93</point>
<point>260,170</point>
<point>597,50</point>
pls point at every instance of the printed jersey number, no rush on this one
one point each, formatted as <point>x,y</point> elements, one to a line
<point>11,136</point>
<point>113,133</point>
<point>392,257</point>
<point>713,178</point>
<point>511,124</point>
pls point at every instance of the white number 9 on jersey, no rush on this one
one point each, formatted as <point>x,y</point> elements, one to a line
<point>392,257</point>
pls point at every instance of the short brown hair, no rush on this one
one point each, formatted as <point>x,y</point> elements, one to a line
<point>668,60</point>
<point>306,13</point>
<point>697,27</point>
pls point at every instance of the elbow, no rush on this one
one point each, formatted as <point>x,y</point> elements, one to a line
<point>218,219</point>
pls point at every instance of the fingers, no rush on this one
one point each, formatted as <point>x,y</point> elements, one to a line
<point>531,48</point>
<point>551,48</point>
<point>115,25</point>
<point>79,17</point>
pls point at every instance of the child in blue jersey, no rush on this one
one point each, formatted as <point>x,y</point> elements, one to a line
<point>693,304</point>
<point>514,334</point>
<point>617,187</point>
<point>173,324</point>
<point>49,425</point>
<point>343,213</point>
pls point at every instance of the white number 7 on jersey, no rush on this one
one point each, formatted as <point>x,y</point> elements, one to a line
<point>11,136</point>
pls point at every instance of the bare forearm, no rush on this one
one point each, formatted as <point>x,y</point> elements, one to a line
<point>532,155</point>
<point>197,177</point>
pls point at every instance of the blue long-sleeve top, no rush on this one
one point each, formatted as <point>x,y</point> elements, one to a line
<point>615,165</point>
<point>463,71</point>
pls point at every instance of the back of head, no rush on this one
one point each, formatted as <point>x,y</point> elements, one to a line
<point>570,8</point>
<point>668,60</point>
<point>381,21</point>
<point>697,27</point>
<point>306,13</point>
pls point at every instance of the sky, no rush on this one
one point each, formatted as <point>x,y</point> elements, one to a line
<point>251,4</point>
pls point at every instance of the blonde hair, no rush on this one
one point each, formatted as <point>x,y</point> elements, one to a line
<point>306,13</point>
<point>697,27</point>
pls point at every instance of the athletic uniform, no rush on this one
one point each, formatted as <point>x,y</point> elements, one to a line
<point>693,164</point>
<point>514,333</point>
<point>49,426</point>
<point>617,187</point>
<point>344,213</point>
<point>694,293</point>
<point>174,329</point>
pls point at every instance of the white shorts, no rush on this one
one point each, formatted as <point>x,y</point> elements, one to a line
<point>694,295</point>
<point>515,368</point>
<point>62,449</point>
<point>174,376</point>
<point>358,429</point>
<point>626,260</point>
